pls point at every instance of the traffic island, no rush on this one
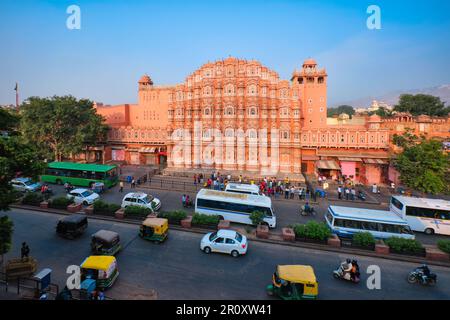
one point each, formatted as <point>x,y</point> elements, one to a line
<point>436,254</point>
<point>89,210</point>
<point>74,208</point>
<point>186,223</point>
<point>334,241</point>
<point>262,231</point>
<point>288,234</point>
<point>381,248</point>
<point>120,214</point>
<point>44,205</point>
<point>223,224</point>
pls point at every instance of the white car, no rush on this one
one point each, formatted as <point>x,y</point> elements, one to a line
<point>83,196</point>
<point>141,199</point>
<point>224,241</point>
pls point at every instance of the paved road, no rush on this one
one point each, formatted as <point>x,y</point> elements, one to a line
<point>177,269</point>
<point>287,211</point>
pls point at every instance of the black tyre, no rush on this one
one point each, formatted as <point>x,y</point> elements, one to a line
<point>234,253</point>
<point>85,203</point>
<point>412,278</point>
<point>207,250</point>
<point>429,231</point>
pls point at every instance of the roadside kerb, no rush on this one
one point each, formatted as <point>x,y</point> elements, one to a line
<point>312,246</point>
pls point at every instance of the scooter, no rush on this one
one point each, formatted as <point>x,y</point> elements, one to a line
<point>339,273</point>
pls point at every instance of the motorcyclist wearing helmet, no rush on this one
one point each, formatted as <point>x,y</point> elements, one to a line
<point>346,267</point>
<point>354,273</point>
<point>425,272</point>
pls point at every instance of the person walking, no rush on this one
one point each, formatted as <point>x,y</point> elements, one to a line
<point>25,250</point>
<point>195,179</point>
<point>286,191</point>
<point>339,190</point>
<point>347,193</point>
<point>121,186</point>
<point>133,183</point>
<point>374,188</point>
<point>353,194</point>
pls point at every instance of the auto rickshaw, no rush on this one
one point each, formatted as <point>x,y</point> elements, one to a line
<point>154,229</point>
<point>294,282</point>
<point>105,243</point>
<point>72,226</point>
<point>98,272</point>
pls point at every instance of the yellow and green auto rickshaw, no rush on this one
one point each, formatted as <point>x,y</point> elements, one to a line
<point>105,243</point>
<point>154,229</point>
<point>98,272</point>
<point>294,282</point>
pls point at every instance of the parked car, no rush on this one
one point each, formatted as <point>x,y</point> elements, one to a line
<point>224,241</point>
<point>84,196</point>
<point>141,199</point>
<point>25,185</point>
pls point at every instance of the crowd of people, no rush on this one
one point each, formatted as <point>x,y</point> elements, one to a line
<point>269,186</point>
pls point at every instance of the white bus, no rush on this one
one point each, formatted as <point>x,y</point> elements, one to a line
<point>431,216</point>
<point>346,221</point>
<point>235,207</point>
<point>243,188</point>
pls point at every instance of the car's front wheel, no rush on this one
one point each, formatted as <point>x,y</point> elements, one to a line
<point>207,250</point>
<point>85,203</point>
<point>234,253</point>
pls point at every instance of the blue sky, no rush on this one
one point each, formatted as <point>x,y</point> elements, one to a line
<point>121,40</point>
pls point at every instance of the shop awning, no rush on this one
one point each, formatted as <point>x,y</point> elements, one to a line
<point>147,150</point>
<point>349,159</point>
<point>310,158</point>
<point>328,165</point>
<point>376,161</point>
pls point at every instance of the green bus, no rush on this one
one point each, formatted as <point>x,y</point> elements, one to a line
<point>81,174</point>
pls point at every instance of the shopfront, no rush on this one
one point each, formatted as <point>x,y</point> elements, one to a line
<point>329,169</point>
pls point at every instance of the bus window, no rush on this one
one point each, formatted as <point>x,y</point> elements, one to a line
<point>352,224</point>
<point>397,203</point>
<point>329,217</point>
<point>371,226</point>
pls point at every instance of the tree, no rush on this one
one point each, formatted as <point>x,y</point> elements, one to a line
<point>61,126</point>
<point>382,112</point>
<point>422,164</point>
<point>341,109</point>
<point>9,120</point>
<point>6,231</point>
<point>16,157</point>
<point>422,104</point>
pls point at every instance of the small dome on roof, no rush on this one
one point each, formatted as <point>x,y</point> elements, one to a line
<point>375,118</point>
<point>310,61</point>
<point>145,79</point>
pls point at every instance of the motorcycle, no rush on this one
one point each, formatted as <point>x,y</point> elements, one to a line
<point>361,196</point>
<point>305,213</point>
<point>340,273</point>
<point>417,275</point>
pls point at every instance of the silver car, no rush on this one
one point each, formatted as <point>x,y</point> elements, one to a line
<point>25,185</point>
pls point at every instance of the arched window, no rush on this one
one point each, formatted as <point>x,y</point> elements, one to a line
<point>252,134</point>
<point>252,90</point>
<point>229,132</point>
<point>229,89</point>
<point>253,111</point>
<point>207,111</point>
<point>229,111</point>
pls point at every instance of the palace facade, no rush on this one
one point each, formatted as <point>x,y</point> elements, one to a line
<point>236,115</point>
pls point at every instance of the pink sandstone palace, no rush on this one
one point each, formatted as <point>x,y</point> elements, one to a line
<point>264,125</point>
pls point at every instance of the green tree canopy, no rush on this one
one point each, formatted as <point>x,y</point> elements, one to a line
<point>61,126</point>
<point>422,104</point>
<point>6,231</point>
<point>382,112</point>
<point>422,164</point>
<point>16,157</point>
<point>9,120</point>
<point>341,109</point>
